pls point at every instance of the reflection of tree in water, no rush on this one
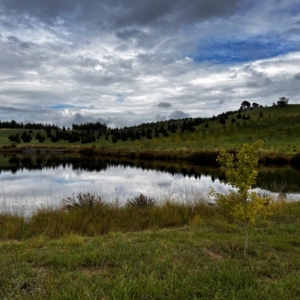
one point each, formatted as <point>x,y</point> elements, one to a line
<point>274,179</point>
<point>285,180</point>
<point>38,162</point>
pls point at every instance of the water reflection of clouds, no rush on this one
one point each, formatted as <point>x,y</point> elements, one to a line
<point>11,178</point>
<point>164,184</point>
<point>61,181</point>
<point>50,185</point>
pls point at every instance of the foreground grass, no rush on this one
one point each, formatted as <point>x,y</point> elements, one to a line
<point>196,256</point>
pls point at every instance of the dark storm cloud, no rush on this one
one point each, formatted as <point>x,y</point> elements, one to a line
<point>178,114</point>
<point>161,117</point>
<point>128,33</point>
<point>172,11</point>
<point>85,61</point>
<point>33,95</point>
<point>164,104</point>
<point>146,11</point>
<point>115,121</point>
<point>14,40</point>
<point>10,109</point>
<point>16,55</point>
<point>44,10</point>
<point>122,47</point>
<point>297,76</point>
<point>78,118</point>
<point>121,12</point>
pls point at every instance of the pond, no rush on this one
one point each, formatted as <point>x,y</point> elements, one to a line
<point>28,181</point>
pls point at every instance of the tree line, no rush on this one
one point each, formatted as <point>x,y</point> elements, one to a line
<point>91,132</point>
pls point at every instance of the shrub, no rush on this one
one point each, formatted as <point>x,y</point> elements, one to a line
<point>140,201</point>
<point>82,200</point>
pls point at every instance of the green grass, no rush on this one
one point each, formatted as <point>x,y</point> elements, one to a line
<point>198,258</point>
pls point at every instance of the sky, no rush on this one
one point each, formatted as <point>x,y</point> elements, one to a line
<point>127,62</point>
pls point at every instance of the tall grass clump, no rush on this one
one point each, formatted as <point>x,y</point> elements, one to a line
<point>141,201</point>
<point>12,226</point>
<point>88,214</point>
<point>82,200</point>
<point>284,211</point>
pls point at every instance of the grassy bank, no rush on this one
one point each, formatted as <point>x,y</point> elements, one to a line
<point>148,251</point>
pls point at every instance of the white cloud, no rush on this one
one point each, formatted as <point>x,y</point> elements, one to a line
<point>119,58</point>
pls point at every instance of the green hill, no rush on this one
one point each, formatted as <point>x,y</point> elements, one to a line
<point>278,126</point>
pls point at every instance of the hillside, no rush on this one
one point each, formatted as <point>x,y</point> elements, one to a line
<point>278,126</point>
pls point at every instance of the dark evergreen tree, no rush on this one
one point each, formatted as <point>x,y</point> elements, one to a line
<point>26,137</point>
<point>15,138</point>
<point>137,135</point>
<point>222,121</point>
<point>143,132</point>
<point>183,126</point>
<point>149,131</point>
<point>114,139</point>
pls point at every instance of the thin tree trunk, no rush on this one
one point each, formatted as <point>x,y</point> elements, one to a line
<point>246,238</point>
<point>246,228</point>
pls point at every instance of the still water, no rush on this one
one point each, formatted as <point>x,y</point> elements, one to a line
<point>34,180</point>
<point>49,186</point>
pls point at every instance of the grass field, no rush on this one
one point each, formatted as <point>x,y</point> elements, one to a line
<point>200,258</point>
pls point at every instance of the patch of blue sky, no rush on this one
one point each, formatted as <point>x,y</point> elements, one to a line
<point>119,98</point>
<point>61,181</point>
<point>61,106</point>
<point>65,106</point>
<point>36,107</point>
<point>294,9</point>
<point>243,51</point>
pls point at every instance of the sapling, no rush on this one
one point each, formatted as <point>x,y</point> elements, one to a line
<point>240,171</point>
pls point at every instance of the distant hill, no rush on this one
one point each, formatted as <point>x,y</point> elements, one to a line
<point>278,126</point>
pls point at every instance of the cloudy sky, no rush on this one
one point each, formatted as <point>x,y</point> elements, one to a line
<point>124,62</point>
